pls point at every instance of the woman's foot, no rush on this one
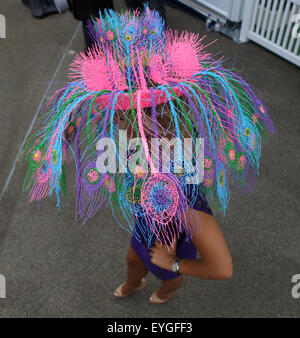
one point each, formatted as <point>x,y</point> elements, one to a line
<point>123,291</point>
<point>158,298</point>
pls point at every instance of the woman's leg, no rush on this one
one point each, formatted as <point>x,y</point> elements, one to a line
<point>169,287</point>
<point>136,271</point>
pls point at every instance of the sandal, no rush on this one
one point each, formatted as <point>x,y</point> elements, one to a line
<point>118,291</point>
<point>154,299</point>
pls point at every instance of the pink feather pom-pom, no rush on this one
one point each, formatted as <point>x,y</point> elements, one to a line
<point>182,60</point>
<point>97,71</point>
<point>95,75</point>
<point>185,55</point>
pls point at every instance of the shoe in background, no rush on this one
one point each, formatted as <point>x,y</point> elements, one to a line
<point>42,8</point>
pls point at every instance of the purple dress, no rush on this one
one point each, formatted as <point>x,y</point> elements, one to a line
<point>185,247</point>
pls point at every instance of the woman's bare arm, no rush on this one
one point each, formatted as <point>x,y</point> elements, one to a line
<point>215,261</point>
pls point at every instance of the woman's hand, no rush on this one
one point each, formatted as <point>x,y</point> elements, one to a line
<point>163,256</point>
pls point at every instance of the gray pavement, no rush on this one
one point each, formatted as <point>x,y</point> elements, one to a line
<point>54,268</point>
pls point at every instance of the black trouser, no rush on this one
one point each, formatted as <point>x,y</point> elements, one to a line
<point>157,5</point>
<point>84,9</point>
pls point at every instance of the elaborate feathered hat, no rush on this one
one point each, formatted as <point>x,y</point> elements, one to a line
<point>136,66</point>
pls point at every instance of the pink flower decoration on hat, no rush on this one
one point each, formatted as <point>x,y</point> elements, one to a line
<point>232,154</point>
<point>37,156</point>
<point>110,35</point>
<point>208,163</point>
<point>93,175</point>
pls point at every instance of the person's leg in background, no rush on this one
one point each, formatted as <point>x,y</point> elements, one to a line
<point>153,4</point>
<point>83,10</point>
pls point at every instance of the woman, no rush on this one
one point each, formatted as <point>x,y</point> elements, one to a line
<point>215,261</point>
<point>137,72</point>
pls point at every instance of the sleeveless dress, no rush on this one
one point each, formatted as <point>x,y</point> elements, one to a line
<point>185,247</point>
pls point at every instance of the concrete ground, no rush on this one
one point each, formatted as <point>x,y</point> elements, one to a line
<point>54,268</point>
